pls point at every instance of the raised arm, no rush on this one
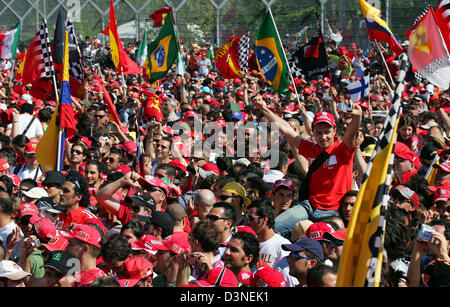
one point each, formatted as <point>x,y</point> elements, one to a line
<point>291,135</point>
<point>353,127</point>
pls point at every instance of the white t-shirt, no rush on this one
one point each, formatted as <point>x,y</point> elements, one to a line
<point>270,250</point>
<point>5,232</point>
<point>283,267</point>
<point>35,129</point>
<point>26,173</point>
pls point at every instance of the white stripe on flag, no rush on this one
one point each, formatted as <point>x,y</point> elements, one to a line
<point>359,89</point>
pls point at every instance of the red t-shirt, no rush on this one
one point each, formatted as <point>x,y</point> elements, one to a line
<point>333,178</point>
<point>75,217</point>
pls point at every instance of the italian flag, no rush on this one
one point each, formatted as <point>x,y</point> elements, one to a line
<point>142,51</point>
<point>9,40</point>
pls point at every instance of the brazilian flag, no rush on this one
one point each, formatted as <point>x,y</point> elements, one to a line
<point>270,55</point>
<point>162,52</point>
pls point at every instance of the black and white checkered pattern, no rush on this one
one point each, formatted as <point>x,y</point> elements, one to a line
<point>76,69</point>
<point>375,242</point>
<point>48,69</point>
<point>243,47</point>
<point>295,70</point>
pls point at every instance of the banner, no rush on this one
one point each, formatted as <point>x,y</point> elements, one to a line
<point>231,58</point>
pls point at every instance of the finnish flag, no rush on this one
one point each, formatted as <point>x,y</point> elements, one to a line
<point>359,89</point>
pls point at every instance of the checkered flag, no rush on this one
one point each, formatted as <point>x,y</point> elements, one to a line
<point>48,70</point>
<point>295,70</point>
<point>38,62</point>
<point>243,47</point>
<point>76,69</point>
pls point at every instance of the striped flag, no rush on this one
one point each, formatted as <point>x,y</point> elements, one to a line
<point>9,40</point>
<point>50,149</point>
<point>362,255</point>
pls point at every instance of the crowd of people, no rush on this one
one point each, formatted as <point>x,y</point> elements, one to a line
<point>149,205</point>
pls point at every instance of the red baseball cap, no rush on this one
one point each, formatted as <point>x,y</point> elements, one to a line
<point>442,193</point>
<point>30,148</point>
<point>86,233</point>
<point>317,230</point>
<point>283,183</point>
<point>404,152</point>
<point>4,165</point>
<point>177,163</point>
<point>217,277</point>
<point>146,243</point>
<point>210,167</point>
<point>27,209</point>
<point>190,113</point>
<point>221,122</point>
<point>56,243</point>
<point>443,166</point>
<point>267,277</point>
<point>44,227</point>
<point>408,194</point>
<point>237,81</point>
<point>130,147</point>
<point>324,117</point>
<point>338,235</point>
<point>156,182</point>
<point>175,244</point>
<point>133,270</point>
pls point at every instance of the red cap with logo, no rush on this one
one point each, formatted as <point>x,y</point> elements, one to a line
<point>283,183</point>
<point>4,165</point>
<point>133,270</point>
<point>317,230</point>
<point>267,277</point>
<point>324,117</point>
<point>217,277</point>
<point>404,152</point>
<point>175,244</point>
<point>27,209</point>
<point>30,148</point>
<point>86,233</point>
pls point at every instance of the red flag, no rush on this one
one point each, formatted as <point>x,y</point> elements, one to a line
<point>442,15</point>
<point>427,50</point>
<point>113,116</point>
<point>313,50</point>
<point>227,59</point>
<point>120,58</point>
<point>159,16</point>
<point>152,106</point>
<point>33,68</point>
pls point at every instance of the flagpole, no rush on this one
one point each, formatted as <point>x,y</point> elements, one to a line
<point>285,59</point>
<point>384,61</point>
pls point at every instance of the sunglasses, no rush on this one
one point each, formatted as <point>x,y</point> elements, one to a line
<point>78,152</point>
<point>94,156</point>
<point>111,160</point>
<point>225,197</point>
<point>251,217</point>
<point>215,218</point>
<point>136,209</point>
<point>100,116</point>
<point>298,255</point>
<point>196,159</point>
<point>25,220</point>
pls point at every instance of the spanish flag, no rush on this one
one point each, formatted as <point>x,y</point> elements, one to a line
<point>120,58</point>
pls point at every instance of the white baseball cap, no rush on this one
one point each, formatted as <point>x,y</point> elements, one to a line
<point>12,270</point>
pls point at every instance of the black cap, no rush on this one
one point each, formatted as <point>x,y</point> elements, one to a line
<point>428,152</point>
<point>163,220</point>
<point>61,261</point>
<point>54,177</point>
<point>143,200</point>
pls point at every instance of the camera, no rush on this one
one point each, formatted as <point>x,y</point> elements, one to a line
<point>344,107</point>
<point>424,233</point>
<point>35,243</point>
